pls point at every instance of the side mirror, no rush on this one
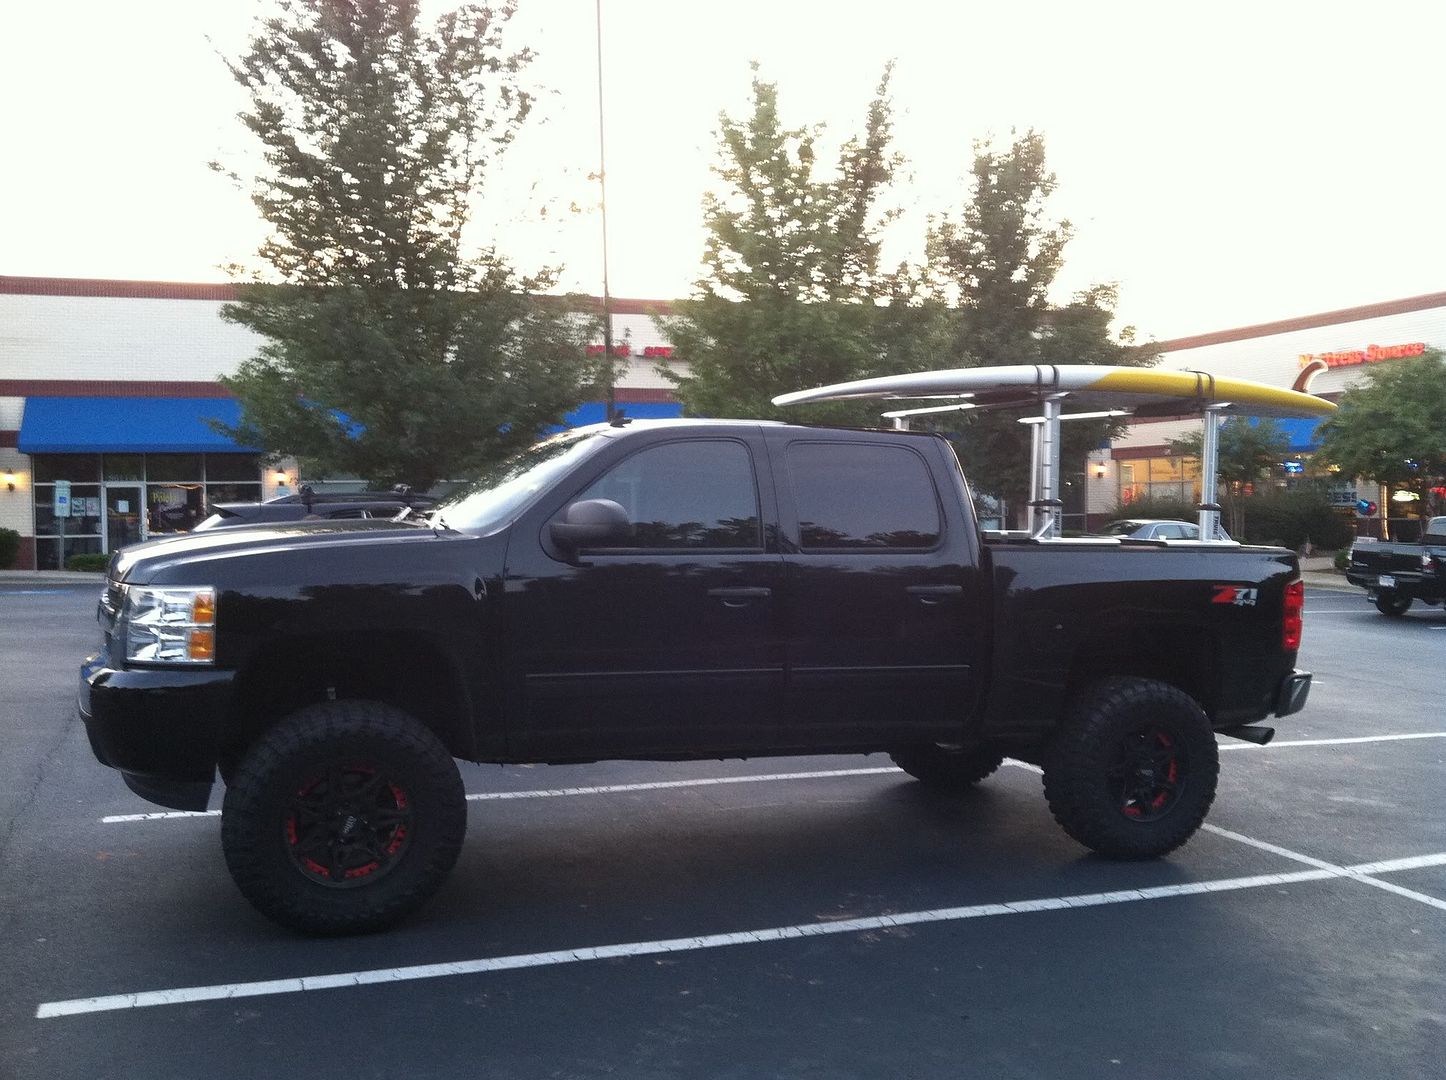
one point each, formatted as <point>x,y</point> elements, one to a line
<point>591,523</point>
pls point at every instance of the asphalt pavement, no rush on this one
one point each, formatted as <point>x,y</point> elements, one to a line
<point>803,917</point>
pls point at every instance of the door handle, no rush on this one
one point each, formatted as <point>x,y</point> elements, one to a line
<point>741,596</point>
<point>934,594</point>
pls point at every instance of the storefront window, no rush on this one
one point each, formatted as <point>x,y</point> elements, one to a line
<point>84,519</point>
<point>78,468</point>
<point>174,507</point>
<point>125,467</point>
<point>142,495</point>
<point>51,554</point>
<point>243,468</point>
<point>219,493</point>
<point>184,467</point>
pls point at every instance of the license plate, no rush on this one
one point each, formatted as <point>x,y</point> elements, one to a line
<point>1386,581</point>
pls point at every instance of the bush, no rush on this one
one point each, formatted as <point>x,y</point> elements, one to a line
<point>1152,509</point>
<point>9,547</point>
<point>1343,558</point>
<point>87,562</point>
<point>1290,517</point>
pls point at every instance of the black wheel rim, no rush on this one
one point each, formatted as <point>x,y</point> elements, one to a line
<point>1148,773</point>
<point>348,826</point>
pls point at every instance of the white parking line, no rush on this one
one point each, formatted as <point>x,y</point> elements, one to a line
<point>658,785</point>
<point>1354,873</point>
<point>221,991</point>
<point>1347,741</point>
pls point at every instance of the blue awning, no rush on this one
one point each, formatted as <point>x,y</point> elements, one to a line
<point>127,425</point>
<point>1300,430</point>
<point>595,412</point>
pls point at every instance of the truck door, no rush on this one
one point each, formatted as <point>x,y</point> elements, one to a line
<point>670,642</point>
<point>883,619</point>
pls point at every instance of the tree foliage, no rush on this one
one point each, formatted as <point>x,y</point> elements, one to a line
<point>1392,428</point>
<point>392,353</point>
<point>791,284</point>
<point>1248,450</point>
<point>991,266</point>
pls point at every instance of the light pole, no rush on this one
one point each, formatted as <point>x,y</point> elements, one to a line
<point>609,401</point>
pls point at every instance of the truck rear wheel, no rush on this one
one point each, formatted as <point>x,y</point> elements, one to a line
<point>947,768</point>
<point>343,818</point>
<point>1131,771</point>
<point>1392,603</point>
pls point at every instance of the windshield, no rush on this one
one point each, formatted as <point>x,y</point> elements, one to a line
<point>1121,528</point>
<point>506,490</point>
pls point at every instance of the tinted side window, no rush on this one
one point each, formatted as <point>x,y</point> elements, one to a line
<point>853,495</point>
<point>695,494</point>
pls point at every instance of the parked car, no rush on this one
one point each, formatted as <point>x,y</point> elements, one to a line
<point>669,590</point>
<point>1147,529</point>
<point>307,505</point>
<point>1395,574</point>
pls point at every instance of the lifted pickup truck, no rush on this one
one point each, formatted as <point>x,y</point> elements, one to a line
<point>1395,574</point>
<point>669,590</point>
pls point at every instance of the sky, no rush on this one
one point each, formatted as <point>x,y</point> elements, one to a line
<point>1226,163</point>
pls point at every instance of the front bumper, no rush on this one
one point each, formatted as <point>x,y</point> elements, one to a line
<point>1294,689</point>
<point>159,728</point>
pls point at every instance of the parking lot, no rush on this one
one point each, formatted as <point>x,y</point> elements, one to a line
<point>799,917</point>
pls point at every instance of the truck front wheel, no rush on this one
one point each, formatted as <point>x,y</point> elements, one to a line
<point>947,768</point>
<point>1392,603</point>
<point>1131,771</point>
<point>343,818</point>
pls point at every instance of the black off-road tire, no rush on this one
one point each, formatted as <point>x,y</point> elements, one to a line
<point>945,768</point>
<point>367,790</point>
<point>1392,603</point>
<point>1131,771</point>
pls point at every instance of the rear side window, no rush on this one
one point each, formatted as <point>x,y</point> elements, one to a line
<point>857,495</point>
<point>684,495</point>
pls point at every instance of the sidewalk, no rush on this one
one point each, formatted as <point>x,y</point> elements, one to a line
<point>52,577</point>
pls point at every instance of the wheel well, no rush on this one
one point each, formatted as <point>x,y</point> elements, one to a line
<point>403,670</point>
<point>1186,659</point>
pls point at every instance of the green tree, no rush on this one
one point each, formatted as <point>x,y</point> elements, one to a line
<point>391,352</point>
<point>1392,428</point>
<point>992,265</point>
<point>790,293</point>
<point>1248,450</point>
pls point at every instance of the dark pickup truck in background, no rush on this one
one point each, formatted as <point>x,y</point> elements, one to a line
<point>669,590</point>
<point>1395,574</point>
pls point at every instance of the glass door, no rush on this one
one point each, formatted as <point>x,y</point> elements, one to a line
<point>124,516</point>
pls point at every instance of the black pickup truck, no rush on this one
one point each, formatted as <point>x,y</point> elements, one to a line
<point>669,590</point>
<point>1395,574</point>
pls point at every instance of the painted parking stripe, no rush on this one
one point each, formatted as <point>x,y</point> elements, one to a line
<point>224,991</point>
<point>1347,741</point>
<point>658,785</point>
<point>1354,873</point>
<point>554,793</point>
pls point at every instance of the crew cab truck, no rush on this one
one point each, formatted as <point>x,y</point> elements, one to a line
<point>1395,574</point>
<point>669,590</point>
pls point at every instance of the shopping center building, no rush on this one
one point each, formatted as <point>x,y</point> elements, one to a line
<point>109,391</point>
<point>108,395</point>
<point>1347,343</point>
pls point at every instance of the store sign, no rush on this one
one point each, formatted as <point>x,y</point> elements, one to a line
<point>1371,354</point>
<point>652,352</point>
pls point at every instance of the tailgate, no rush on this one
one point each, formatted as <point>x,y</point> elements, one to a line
<point>1386,558</point>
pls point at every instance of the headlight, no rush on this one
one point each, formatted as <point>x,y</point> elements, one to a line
<point>170,626</point>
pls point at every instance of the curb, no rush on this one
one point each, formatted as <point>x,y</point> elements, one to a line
<point>52,577</point>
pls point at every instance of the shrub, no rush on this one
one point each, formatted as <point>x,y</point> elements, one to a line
<point>1290,517</point>
<point>1163,509</point>
<point>87,562</point>
<point>9,547</point>
<point>1343,558</point>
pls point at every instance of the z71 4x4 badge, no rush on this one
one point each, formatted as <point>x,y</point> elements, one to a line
<point>1234,594</point>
